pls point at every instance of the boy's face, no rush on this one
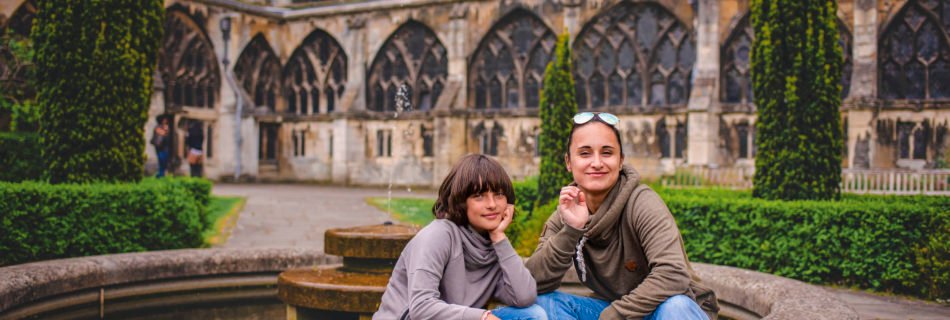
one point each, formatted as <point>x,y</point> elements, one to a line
<point>485,210</point>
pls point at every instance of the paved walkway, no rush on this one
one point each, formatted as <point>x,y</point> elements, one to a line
<point>298,215</point>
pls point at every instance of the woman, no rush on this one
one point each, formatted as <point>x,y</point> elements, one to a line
<point>161,139</point>
<point>453,266</point>
<point>195,143</point>
<point>619,236</point>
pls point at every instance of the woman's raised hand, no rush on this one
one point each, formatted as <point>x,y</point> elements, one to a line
<point>499,233</point>
<point>573,207</point>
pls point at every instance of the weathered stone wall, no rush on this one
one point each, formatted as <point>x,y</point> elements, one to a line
<point>705,131</point>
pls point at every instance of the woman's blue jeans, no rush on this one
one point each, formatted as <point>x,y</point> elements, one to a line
<point>534,312</point>
<point>563,306</point>
<point>162,163</point>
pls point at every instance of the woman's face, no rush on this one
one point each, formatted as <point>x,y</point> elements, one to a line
<point>594,157</point>
<point>485,210</point>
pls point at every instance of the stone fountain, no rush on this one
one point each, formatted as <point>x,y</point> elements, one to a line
<point>353,289</point>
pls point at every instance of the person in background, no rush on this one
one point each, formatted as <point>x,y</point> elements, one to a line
<point>194,141</point>
<point>161,140</point>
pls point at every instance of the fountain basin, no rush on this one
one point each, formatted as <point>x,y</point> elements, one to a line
<point>353,289</point>
<point>332,288</point>
<point>148,283</point>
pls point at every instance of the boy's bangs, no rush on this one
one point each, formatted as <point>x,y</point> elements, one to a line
<point>484,176</point>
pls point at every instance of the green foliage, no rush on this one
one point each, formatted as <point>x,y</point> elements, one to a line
<point>200,188</point>
<point>20,157</point>
<point>40,221</point>
<point>557,107</point>
<point>526,229</point>
<point>526,193</point>
<point>17,84</point>
<point>221,212</point>
<point>896,244</point>
<point>796,69</point>
<point>407,210</point>
<point>94,66</point>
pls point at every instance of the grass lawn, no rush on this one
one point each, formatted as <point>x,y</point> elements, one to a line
<point>406,210</point>
<point>222,214</point>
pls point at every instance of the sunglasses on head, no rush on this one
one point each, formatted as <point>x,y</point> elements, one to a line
<point>585,117</point>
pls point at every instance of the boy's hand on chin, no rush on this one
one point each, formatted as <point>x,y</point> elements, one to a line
<point>498,233</point>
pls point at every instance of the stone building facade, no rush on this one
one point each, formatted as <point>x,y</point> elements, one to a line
<point>317,83</point>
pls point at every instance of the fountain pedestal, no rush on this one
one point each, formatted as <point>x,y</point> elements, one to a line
<point>353,289</point>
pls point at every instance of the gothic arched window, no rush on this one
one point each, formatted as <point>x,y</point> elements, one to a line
<point>736,83</point>
<point>508,68</point>
<point>187,63</point>
<point>316,71</point>
<point>258,72</point>
<point>635,54</point>
<point>914,58</point>
<point>736,80</point>
<point>413,56</point>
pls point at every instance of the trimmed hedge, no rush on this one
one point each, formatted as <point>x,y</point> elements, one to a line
<point>896,244</point>
<point>41,221</point>
<point>20,157</point>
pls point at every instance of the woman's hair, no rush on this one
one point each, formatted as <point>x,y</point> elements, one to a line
<point>473,174</point>
<point>574,126</point>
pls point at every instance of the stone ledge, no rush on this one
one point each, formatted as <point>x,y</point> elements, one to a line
<point>757,295</point>
<point>26,283</point>
<point>766,296</point>
<point>773,297</point>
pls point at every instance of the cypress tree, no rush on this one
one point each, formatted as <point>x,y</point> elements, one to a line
<point>558,106</point>
<point>94,64</point>
<point>796,69</point>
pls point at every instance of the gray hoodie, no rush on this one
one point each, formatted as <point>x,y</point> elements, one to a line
<point>450,272</point>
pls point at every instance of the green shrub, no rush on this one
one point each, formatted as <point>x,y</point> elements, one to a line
<point>526,194</point>
<point>20,158</point>
<point>94,69</point>
<point>557,107</point>
<point>895,244</point>
<point>526,229</point>
<point>796,67</point>
<point>198,188</point>
<point>40,221</point>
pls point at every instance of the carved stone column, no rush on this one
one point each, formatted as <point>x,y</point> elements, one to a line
<point>703,109</point>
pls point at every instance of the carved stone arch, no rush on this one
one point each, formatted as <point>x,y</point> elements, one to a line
<point>414,56</point>
<point>187,63</point>
<point>914,52</point>
<point>634,54</point>
<point>315,72</point>
<point>511,59</point>
<point>258,71</point>
<point>736,83</point>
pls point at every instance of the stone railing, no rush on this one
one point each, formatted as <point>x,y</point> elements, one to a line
<point>873,181</point>
<point>926,182</point>
<point>732,177</point>
<point>34,288</point>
